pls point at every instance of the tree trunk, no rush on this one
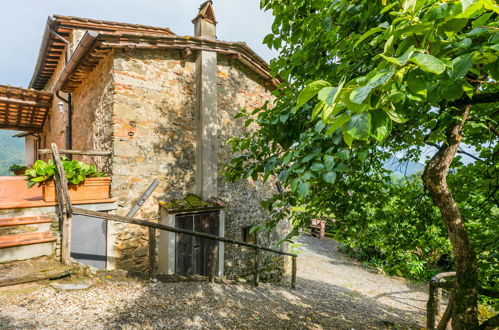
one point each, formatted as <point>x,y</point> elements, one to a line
<point>464,314</point>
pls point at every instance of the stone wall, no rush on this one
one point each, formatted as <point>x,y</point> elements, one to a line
<point>240,88</point>
<point>54,130</point>
<point>154,138</point>
<point>141,104</point>
<point>92,124</point>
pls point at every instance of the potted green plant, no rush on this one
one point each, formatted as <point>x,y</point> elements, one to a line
<point>18,170</point>
<point>84,181</point>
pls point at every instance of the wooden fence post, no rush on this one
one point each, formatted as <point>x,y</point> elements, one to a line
<point>442,325</point>
<point>431,305</point>
<point>66,225</point>
<point>152,252</point>
<point>213,264</point>
<point>256,275</point>
<point>293,273</point>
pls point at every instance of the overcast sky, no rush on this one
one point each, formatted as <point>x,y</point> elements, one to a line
<point>22,23</point>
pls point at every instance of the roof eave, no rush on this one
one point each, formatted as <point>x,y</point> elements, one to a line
<point>43,50</point>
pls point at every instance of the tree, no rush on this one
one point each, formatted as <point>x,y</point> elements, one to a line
<point>367,79</point>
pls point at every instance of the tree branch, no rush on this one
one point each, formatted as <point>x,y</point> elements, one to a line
<point>477,99</point>
<point>459,151</point>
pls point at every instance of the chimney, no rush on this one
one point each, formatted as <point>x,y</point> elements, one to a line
<point>205,23</point>
<point>206,106</point>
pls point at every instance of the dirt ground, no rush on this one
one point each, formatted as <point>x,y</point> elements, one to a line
<point>333,292</point>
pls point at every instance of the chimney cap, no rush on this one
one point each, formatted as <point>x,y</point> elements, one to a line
<point>206,12</point>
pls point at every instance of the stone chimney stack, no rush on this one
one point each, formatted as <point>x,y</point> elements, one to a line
<point>207,127</point>
<point>205,23</point>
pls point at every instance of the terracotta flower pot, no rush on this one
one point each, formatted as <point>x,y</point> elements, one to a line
<point>19,172</point>
<point>90,189</point>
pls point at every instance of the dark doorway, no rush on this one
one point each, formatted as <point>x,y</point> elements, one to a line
<point>193,254</point>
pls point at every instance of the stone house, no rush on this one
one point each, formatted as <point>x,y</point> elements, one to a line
<point>164,105</point>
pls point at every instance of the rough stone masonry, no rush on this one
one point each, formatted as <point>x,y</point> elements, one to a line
<point>166,114</point>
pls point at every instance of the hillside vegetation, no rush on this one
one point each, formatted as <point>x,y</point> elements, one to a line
<point>11,151</point>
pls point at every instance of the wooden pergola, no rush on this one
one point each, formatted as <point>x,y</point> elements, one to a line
<point>23,109</point>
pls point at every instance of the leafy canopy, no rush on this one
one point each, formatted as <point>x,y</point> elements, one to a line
<point>365,80</point>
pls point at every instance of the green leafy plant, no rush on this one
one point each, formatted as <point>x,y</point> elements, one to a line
<point>366,80</point>
<point>76,172</point>
<point>16,168</point>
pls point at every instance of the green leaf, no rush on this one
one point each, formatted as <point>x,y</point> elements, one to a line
<point>359,94</point>
<point>303,189</point>
<point>329,162</point>
<point>367,35</point>
<point>465,43</point>
<point>347,137</point>
<point>269,40</point>
<point>343,154</point>
<point>330,94</point>
<point>319,126</point>
<point>468,89</point>
<point>455,24</point>
<point>460,66</point>
<point>381,124</point>
<point>401,60</point>
<point>337,123</point>
<point>310,156</point>
<point>466,3</point>
<point>329,177</point>
<point>416,84</point>
<point>387,8</point>
<point>318,108</point>
<point>428,63</point>
<point>408,5</point>
<point>309,92</point>
<point>342,168</point>
<point>317,167</point>
<point>359,126</point>
<point>396,117</point>
<point>362,155</point>
<point>397,97</point>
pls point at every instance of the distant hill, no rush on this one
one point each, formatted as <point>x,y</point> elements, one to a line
<point>403,168</point>
<point>11,151</point>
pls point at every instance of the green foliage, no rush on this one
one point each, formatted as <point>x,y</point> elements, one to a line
<point>11,151</point>
<point>76,172</point>
<point>367,80</point>
<point>17,167</point>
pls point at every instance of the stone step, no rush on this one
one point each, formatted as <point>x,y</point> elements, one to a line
<point>22,221</point>
<point>23,225</point>
<point>32,270</point>
<point>8,241</point>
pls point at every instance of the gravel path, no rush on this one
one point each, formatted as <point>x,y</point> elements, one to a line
<point>333,293</point>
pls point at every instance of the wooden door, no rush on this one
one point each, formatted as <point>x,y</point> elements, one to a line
<point>193,254</point>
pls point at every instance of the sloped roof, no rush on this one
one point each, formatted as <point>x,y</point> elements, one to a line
<point>53,48</point>
<point>23,109</point>
<point>93,47</point>
<point>103,36</point>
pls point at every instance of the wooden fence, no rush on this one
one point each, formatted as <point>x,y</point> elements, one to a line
<point>67,210</point>
<point>439,282</point>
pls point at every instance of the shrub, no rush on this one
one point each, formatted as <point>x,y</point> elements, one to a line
<point>76,172</point>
